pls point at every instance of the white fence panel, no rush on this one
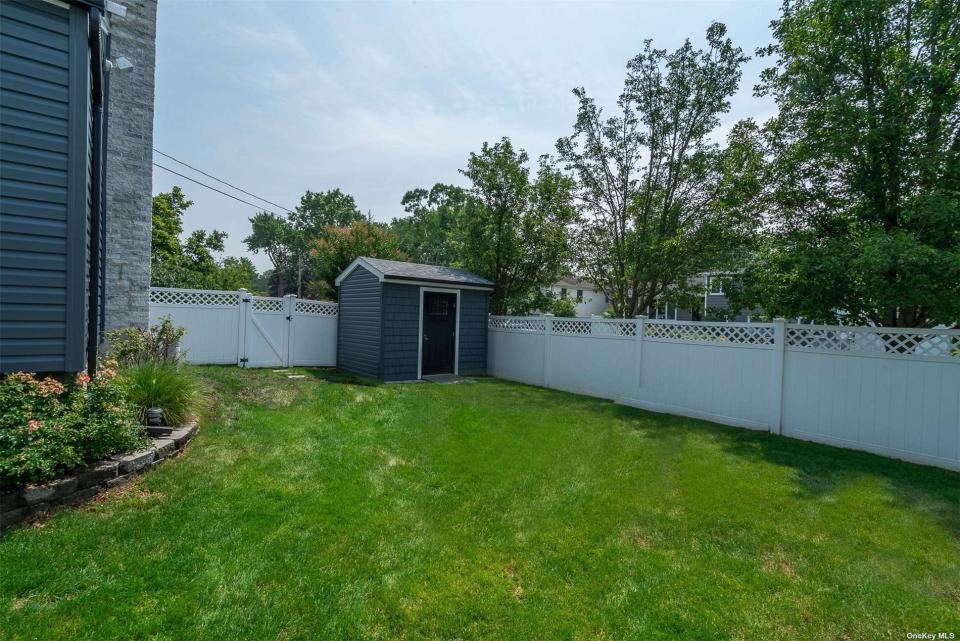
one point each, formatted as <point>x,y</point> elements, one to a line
<point>211,318</point>
<point>592,357</point>
<point>722,372</point>
<point>888,391</point>
<point>516,351</point>
<point>226,327</point>
<point>313,334</point>
<point>895,393</point>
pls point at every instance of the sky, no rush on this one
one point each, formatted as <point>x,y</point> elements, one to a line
<point>378,98</point>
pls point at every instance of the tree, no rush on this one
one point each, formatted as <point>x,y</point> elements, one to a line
<point>337,247</point>
<point>649,181</point>
<point>430,234</point>
<point>190,263</point>
<point>290,241</point>
<point>235,273</point>
<point>167,224</point>
<point>319,210</point>
<point>864,176</point>
<point>515,232</point>
<point>276,237</point>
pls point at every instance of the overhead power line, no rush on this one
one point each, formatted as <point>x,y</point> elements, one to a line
<point>193,180</point>
<point>219,180</point>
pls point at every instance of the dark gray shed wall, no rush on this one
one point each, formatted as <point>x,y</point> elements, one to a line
<point>473,332</point>
<point>359,325</point>
<point>401,331</point>
<point>44,120</point>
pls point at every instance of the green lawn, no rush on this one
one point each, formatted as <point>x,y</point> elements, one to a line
<point>326,508</point>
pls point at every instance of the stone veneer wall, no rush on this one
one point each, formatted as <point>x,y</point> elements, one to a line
<point>129,183</point>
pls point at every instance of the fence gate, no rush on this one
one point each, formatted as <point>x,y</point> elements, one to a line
<point>266,331</point>
<point>251,331</point>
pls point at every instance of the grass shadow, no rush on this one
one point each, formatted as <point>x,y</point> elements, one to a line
<point>818,469</point>
<point>334,375</point>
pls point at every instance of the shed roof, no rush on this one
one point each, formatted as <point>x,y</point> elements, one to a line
<point>395,270</point>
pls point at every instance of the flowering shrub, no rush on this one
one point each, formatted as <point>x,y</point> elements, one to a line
<point>48,428</point>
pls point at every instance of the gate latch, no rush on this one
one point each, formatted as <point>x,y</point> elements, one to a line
<point>289,317</point>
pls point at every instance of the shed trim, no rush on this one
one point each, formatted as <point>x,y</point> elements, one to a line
<point>434,283</point>
<point>358,262</point>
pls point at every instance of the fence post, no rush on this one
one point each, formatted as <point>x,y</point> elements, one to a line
<point>638,354</point>
<point>547,334</point>
<point>243,305</point>
<point>290,306</point>
<point>779,351</point>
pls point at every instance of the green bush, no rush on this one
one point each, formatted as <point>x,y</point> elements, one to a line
<point>564,307</point>
<point>165,385</point>
<point>131,345</point>
<point>48,429</point>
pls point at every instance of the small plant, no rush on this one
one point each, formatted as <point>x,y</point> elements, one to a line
<point>131,345</point>
<point>168,386</point>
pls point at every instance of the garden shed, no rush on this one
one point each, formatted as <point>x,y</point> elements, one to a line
<point>404,321</point>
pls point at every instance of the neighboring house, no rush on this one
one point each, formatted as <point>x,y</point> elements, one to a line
<point>75,177</point>
<point>588,299</point>
<point>406,321</point>
<point>715,302</point>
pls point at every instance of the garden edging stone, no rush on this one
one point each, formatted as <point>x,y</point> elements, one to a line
<point>136,461</point>
<point>33,500</point>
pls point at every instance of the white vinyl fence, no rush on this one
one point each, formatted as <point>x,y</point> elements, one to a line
<point>234,327</point>
<point>894,392</point>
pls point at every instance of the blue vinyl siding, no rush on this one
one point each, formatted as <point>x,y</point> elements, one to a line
<point>43,183</point>
<point>358,334</point>
<point>401,331</point>
<point>473,332</point>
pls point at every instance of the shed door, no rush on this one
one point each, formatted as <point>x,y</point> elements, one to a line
<point>439,333</point>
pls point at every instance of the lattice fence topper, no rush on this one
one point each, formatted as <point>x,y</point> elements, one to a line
<point>267,304</point>
<point>517,323</point>
<point>572,326</point>
<point>193,298</point>
<point>710,332</point>
<point>910,343</point>
<point>315,307</point>
<point>595,327</point>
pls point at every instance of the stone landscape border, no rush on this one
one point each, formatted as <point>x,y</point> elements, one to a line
<point>31,501</point>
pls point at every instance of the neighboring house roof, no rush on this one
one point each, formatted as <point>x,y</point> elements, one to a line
<point>395,270</point>
<point>573,283</point>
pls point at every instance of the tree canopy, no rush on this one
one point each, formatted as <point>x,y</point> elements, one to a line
<point>845,206</point>
<point>431,234</point>
<point>308,247</point>
<point>338,246</point>
<point>191,262</point>
<point>863,180</point>
<point>517,235</point>
<point>657,205</point>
